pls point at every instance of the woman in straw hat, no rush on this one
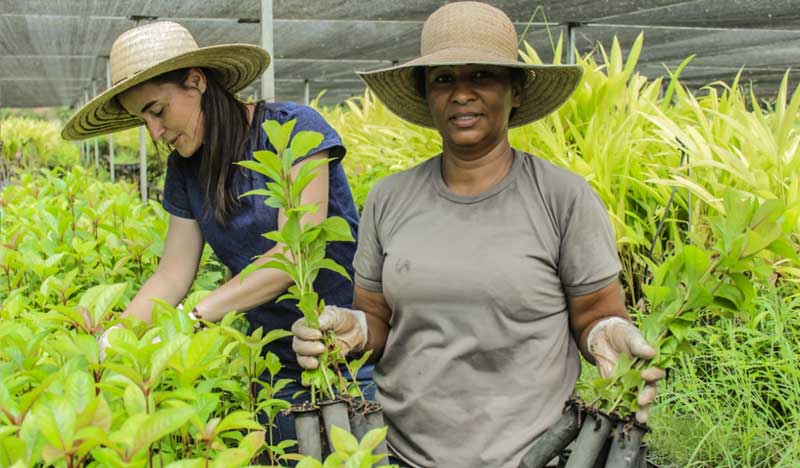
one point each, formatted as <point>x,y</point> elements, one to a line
<point>184,94</point>
<point>483,272</point>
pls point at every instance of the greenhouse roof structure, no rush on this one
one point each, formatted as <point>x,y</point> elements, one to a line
<point>54,52</point>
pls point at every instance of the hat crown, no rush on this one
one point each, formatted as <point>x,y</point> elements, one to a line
<point>469,25</point>
<point>145,46</point>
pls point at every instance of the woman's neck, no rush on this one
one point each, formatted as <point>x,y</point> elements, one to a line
<point>475,175</point>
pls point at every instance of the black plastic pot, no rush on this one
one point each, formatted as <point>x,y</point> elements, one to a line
<point>591,439</point>
<point>548,445</point>
<point>306,425</point>
<point>626,444</point>
<point>334,413</point>
<point>364,417</point>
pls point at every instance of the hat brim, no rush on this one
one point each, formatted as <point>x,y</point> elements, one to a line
<point>546,90</point>
<point>238,64</point>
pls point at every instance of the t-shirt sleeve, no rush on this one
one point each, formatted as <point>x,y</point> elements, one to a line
<point>588,258</point>
<point>368,261</point>
<point>176,198</point>
<point>309,119</point>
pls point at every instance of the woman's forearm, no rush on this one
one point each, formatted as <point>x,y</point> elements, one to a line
<point>158,286</point>
<point>256,288</point>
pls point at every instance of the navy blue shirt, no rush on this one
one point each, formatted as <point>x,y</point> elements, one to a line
<point>237,244</point>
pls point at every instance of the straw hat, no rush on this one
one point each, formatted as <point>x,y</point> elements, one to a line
<point>463,33</point>
<point>151,50</point>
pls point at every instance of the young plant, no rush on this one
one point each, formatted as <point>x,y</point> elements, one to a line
<point>694,284</point>
<point>303,242</point>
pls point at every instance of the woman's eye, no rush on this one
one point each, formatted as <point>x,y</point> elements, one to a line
<point>442,79</point>
<point>480,75</point>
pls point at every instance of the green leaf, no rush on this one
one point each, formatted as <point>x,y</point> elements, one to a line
<point>767,213</point>
<point>343,441</point>
<point>80,389</point>
<point>785,249</point>
<point>260,168</point>
<point>373,438</point>
<point>101,299</point>
<point>305,141</point>
<point>309,462</point>
<point>160,358</point>
<point>237,420</point>
<point>336,229</point>
<point>273,363</point>
<point>135,402</point>
<point>158,425</point>
<point>278,134</point>
<point>330,264</point>
<point>696,262</point>
<point>656,294</point>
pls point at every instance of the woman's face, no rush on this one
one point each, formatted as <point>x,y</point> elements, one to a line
<point>171,112</point>
<point>470,105</point>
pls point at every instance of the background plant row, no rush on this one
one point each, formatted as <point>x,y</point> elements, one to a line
<point>640,143</point>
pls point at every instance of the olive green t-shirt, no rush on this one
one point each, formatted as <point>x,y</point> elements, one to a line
<point>479,359</point>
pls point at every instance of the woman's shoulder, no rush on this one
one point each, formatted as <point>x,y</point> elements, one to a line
<point>406,181</point>
<point>551,176</point>
<point>285,111</point>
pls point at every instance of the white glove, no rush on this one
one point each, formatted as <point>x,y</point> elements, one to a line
<point>102,341</point>
<point>613,336</point>
<point>348,325</point>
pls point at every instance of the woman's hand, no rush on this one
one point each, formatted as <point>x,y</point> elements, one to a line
<point>613,336</point>
<point>348,325</point>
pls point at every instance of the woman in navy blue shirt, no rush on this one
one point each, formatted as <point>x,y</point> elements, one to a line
<point>184,95</point>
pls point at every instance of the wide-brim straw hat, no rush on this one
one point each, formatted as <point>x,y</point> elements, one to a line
<point>462,33</point>
<point>150,50</point>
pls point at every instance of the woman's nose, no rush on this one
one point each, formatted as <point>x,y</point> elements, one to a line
<point>462,90</point>
<point>155,129</point>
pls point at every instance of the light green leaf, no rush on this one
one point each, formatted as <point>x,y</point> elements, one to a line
<point>372,439</point>
<point>160,358</point>
<point>305,141</point>
<point>134,400</point>
<point>343,441</point>
<point>158,425</point>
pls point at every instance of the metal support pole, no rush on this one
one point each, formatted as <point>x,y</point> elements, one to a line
<point>110,137</point>
<point>268,78</point>
<point>571,27</point>
<point>308,93</point>
<point>86,150</point>
<point>143,164</point>
<point>96,139</point>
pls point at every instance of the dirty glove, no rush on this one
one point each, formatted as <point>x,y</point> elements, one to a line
<point>613,336</point>
<point>349,326</point>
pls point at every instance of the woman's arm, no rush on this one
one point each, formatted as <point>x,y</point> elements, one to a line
<point>265,284</point>
<point>378,313</point>
<point>176,270</point>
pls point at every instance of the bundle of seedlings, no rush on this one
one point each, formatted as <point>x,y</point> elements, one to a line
<point>692,287</point>
<point>335,396</point>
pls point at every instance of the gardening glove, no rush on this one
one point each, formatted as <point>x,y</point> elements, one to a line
<point>349,326</point>
<point>613,336</point>
<point>102,341</point>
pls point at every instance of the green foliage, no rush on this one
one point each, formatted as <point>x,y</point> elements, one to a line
<point>30,143</point>
<point>303,242</point>
<point>733,401</point>
<point>348,452</point>
<point>696,285</point>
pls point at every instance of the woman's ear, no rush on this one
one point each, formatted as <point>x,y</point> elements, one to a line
<point>196,79</point>
<point>516,94</point>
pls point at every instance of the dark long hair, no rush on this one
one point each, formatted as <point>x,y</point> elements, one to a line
<point>224,138</point>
